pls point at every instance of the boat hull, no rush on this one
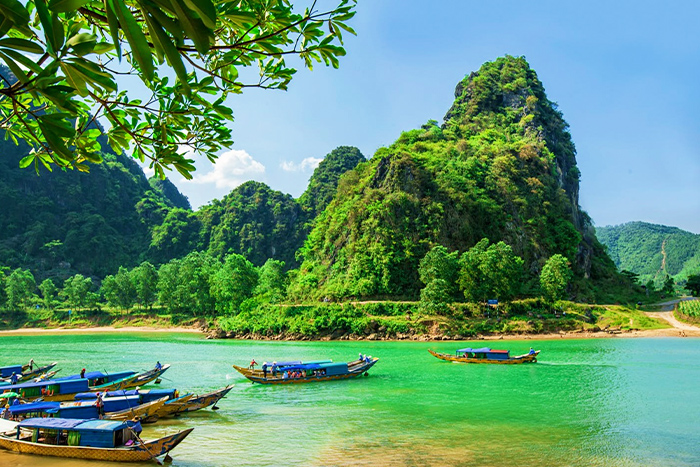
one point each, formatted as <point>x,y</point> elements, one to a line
<point>203,401</point>
<point>510,361</point>
<point>136,453</point>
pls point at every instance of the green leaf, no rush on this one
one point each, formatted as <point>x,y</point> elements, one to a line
<point>137,40</point>
<point>173,56</point>
<point>15,12</point>
<point>63,6</point>
<point>82,44</point>
<point>24,60</point>
<point>47,24</point>
<point>194,27</point>
<point>16,69</point>
<point>26,161</point>
<point>206,11</point>
<point>113,23</point>
<point>75,79</point>
<point>21,44</point>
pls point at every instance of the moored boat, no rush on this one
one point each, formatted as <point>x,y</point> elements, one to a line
<point>112,409</point>
<point>486,355</point>
<point>307,372</point>
<point>105,440</point>
<point>197,402</point>
<point>24,372</point>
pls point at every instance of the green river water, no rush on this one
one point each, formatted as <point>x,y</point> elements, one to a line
<point>594,402</point>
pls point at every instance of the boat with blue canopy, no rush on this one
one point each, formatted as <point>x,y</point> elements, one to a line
<point>486,355</point>
<point>292,372</point>
<point>24,372</point>
<point>105,440</point>
<point>112,408</point>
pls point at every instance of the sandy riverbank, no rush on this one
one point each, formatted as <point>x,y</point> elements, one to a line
<point>32,331</point>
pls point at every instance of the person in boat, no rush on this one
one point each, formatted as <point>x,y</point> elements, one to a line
<point>532,351</point>
<point>14,378</point>
<point>252,364</point>
<point>274,369</point>
<point>285,375</point>
<point>264,369</point>
<point>31,364</point>
<point>100,405</point>
<point>82,373</point>
<point>158,366</point>
<point>361,357</point>
<point>6,415</point>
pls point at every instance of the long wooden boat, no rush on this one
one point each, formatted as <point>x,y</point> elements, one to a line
<point>23,372</point>
<point>105,440</point>
<point>113,409</point>
<point>169,409</point>
<point>486,355</point>
<point>200,402</point>
<point>307,372</point>
<point>146,377</point>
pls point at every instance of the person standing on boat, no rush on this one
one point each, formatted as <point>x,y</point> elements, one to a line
<point>264,369</point>
<point>252,364</point>
<point>100,405</point>
<point>82,373</point>
<point>14,378</point>
<point>158,366</point>
<point>6,415</point>
<point>532,351</point>
<point>31,364</point>
<point>274,369</point>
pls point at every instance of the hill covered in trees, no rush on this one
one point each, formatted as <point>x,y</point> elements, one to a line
<point>652,251</point>
<point>501,166</point>
<point>59,223</point>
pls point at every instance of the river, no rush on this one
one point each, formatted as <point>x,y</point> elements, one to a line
<point>589,402</point>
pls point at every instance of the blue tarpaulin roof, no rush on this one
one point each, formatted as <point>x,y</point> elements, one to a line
<point>72,424</point>
<point>481,350</point>
<point>35,407</point>
<point>51,423</point>
<point>100,374</point>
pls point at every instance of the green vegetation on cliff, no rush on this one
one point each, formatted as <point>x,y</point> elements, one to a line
<point>501,167</point>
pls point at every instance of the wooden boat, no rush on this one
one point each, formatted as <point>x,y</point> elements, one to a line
<point>168,409</point>
<point>486,355</point>
<point>86,409</point>
<point>308,372</point>
<point>200,402</point>
<point>24,372</point>
<point>105,440</point>
<point>146,377</point>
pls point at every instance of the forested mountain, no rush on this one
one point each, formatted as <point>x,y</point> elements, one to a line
<point>324,181</point>
<point>652,250</point>
<point>66,221</point>
<point>502,166</point>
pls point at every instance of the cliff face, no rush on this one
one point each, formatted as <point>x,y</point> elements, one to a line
<point>501,166</point>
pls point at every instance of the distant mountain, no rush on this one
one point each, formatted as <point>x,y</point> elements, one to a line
<point>652,250</point>
<point>324,181</point>
<point>62,222</point>
<point>501,166</point>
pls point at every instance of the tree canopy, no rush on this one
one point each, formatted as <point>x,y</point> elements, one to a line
<point>66,57</point>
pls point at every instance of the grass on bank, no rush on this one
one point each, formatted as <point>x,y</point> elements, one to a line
<point>59,318</point>
<point>404,319</point>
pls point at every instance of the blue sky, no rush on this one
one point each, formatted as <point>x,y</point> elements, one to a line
<point>625,77</point>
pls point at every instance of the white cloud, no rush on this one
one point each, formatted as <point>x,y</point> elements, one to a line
<point>307,165</point>
<point>231,169</point>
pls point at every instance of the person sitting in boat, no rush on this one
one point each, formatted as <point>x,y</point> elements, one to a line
<point>158,366</point>
<point>532,351</point>
<point>361,357</point>
<point>14,378</point>
<point>285,375</point>
<point>252,364</point>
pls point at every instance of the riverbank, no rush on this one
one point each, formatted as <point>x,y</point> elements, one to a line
<point>99,329</point>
